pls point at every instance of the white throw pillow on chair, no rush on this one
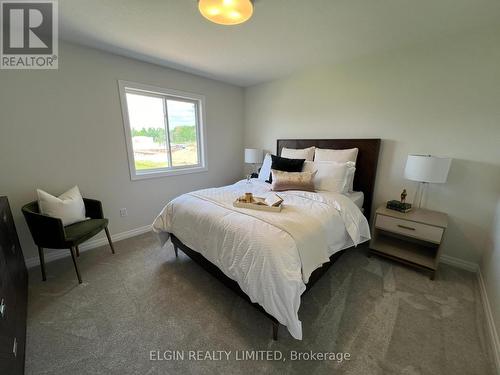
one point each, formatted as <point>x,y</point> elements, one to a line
<point>68,207</point>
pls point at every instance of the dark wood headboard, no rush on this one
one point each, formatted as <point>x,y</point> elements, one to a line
<point>366,163</point>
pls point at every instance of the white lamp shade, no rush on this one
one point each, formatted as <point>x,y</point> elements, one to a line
<point>427,168</point>
<point>253,156</point>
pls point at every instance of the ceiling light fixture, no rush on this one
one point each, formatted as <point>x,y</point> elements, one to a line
<point>226,12</point>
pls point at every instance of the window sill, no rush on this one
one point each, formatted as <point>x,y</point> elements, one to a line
<point>166,173</point>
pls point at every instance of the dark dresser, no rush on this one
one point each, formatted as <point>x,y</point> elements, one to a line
<point>13,295</point>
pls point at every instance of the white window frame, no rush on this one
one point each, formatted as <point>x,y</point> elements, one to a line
<point>199,100</point>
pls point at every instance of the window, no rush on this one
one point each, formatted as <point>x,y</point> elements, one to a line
<point>163,129</point>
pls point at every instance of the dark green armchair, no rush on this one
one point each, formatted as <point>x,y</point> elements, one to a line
<point>49,232</point>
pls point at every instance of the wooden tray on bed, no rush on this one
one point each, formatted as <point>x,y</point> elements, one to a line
<point>255,206</point>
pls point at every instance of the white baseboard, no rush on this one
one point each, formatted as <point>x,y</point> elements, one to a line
<point>492,329</point>
<point>91,244</point>
<point>490,323</point>
<point>459,263</point>
<point>100,241</point>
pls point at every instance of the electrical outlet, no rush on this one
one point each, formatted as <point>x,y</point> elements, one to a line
<point>123,212</point>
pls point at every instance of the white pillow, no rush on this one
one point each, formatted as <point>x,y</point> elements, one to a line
<point>265,170</point>
<point>330,176</point>
<point>351,170</point>
<point>340,156</point>
<point>304,153</point>
<point>68,207</point>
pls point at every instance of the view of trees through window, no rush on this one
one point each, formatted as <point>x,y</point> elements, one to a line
<point>152,148</point>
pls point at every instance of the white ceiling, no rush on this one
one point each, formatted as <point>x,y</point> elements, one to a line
<point>282,37</point>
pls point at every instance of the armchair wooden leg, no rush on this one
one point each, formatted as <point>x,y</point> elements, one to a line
<point>42,263</point>
<point>77,251</point>
<point>109,240</point>
<point>176,250</point>
<point>72,250</point>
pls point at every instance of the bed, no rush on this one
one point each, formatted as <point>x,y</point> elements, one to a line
<point>271,259</point>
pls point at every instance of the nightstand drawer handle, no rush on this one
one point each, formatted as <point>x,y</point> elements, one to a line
<point>2,308</point>
<point>405,227</point>
<point>14,347</point>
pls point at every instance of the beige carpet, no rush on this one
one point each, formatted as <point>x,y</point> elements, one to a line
<point>389,318</point>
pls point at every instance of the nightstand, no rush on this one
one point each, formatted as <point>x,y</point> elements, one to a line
<point>413,238</point>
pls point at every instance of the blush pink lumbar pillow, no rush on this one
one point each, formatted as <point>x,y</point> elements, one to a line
<point>68,207</point>
<point>292,180</point>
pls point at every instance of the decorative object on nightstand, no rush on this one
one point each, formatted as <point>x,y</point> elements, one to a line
<point>426,169</point>
<point>253,156</point>
<point>403,196</point>
<point>398,206</point>
<point>412,238</point>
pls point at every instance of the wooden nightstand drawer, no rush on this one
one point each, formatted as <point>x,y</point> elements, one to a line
<point>409,228</point>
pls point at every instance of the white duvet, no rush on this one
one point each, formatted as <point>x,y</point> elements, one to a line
<point>271,255</point>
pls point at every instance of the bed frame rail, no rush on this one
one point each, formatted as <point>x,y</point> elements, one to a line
<point>233,285</point>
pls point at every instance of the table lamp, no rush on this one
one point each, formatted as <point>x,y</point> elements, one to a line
<point>426,169</point>
<point>253,156</point>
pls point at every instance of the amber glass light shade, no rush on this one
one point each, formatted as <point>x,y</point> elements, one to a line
<point>226,12</point>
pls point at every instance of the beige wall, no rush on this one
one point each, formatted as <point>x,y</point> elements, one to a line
<point>441,98</point>
<point>61,128</point>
